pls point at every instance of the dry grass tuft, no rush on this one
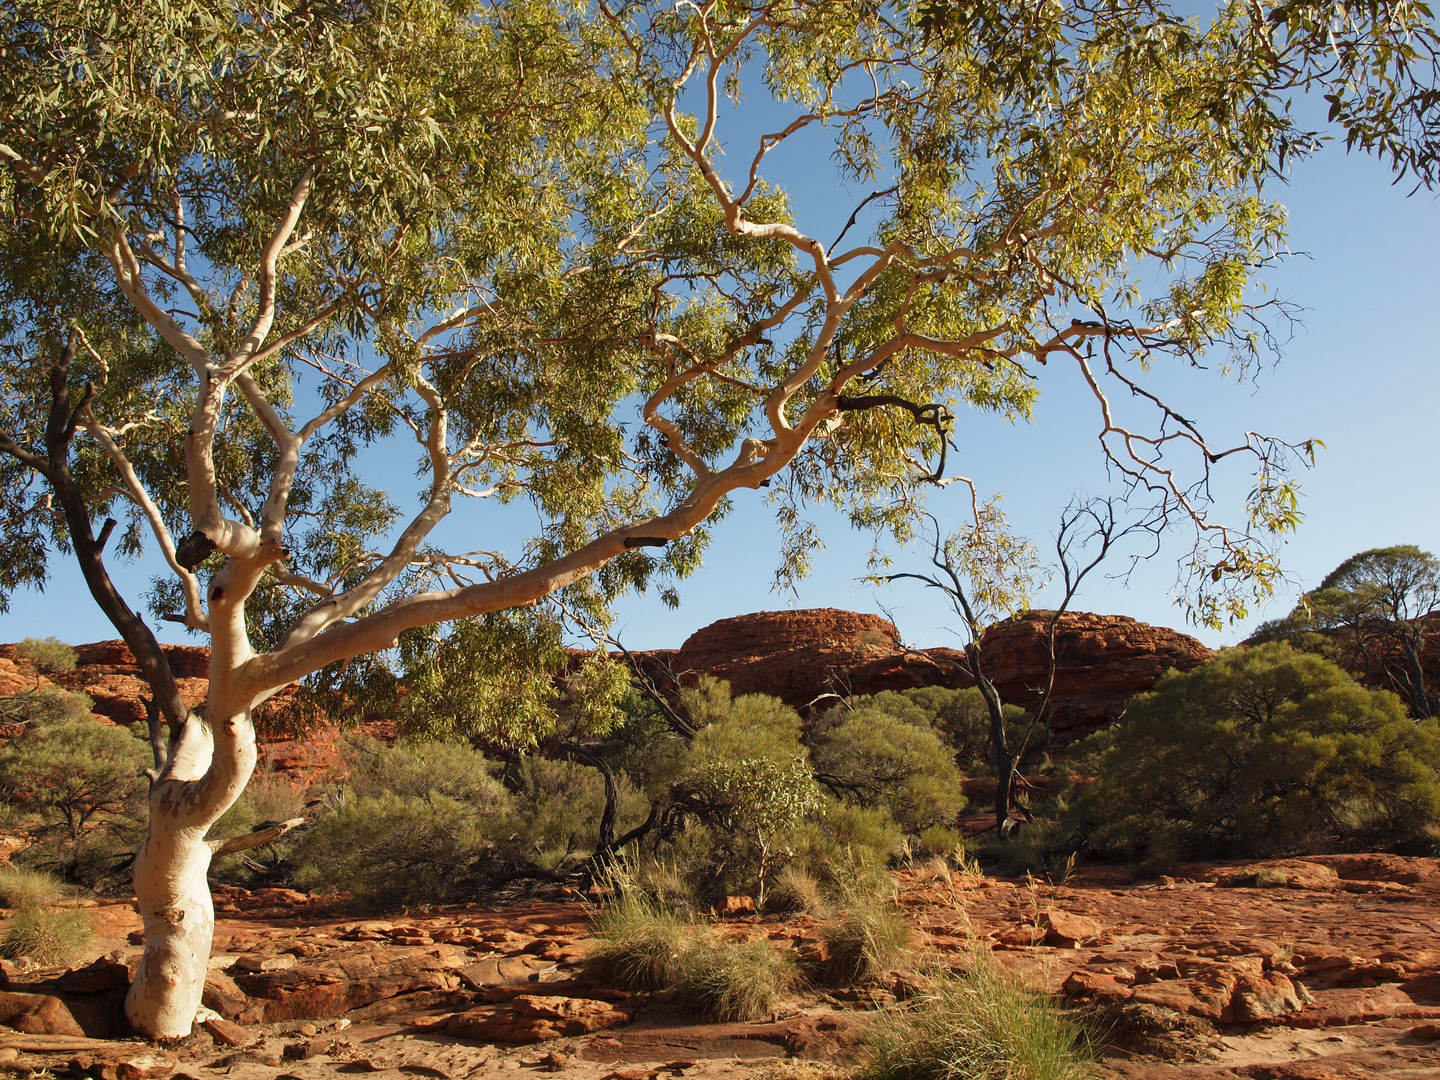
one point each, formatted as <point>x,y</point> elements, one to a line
<point>50,937</point>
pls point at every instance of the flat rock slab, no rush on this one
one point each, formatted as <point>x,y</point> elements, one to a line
<point>827,1036</point>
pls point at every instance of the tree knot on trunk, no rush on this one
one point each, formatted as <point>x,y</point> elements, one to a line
<point>193,550</point>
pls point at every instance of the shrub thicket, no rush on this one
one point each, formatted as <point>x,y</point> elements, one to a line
<point>748,777</point>
<point>877,760</point>
<point>960,716</point>
<point>45,707</point>
<point>77,790</point>
<point>1261,751</point>
<point>48,654</point>
<point>558,806</point>
<point>416,823</point>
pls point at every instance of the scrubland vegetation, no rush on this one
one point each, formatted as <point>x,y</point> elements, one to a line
<point>1261,751</point>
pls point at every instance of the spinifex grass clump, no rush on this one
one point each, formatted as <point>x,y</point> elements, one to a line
<point>643,945</point>
<point>22,889</point>
<point>870,938</point>
<point>796,889</point>
<point>48,936</point>
<point>727,981</point>
<point>639,946</point>
<point>978,1024</point>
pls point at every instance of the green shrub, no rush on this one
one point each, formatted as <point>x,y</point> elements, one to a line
<point>46,707</point>
<point>844,845</point>
<point>866,941</point>
<point>559,805</point>
<point>729,982</point>
<point>960,716</point>
<point>876,760</point>
<point>390,849</point>
<point>48,654</point>
<point>748,778</point>
<point>938,840</point>
<point>22,889</point>
<point>51,937</point>
<point>417,768</point>
<point>268,797</point>
<point>978,1024</point>
<point>1261,751</point>
<point>82,788</point>
<point>1043,848</point>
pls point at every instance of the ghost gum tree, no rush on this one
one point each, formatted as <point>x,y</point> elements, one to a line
<point>250,246</point>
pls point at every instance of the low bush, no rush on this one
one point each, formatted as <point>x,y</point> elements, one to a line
<point>81,788</point>
<point>730,982</point>
<point>1042,848</point>
<point>387,850</point>
<point>960,716</point>
<point>876,760</point>
<point>938,841</point>
<point>23,890</point>
<point>51,937</point>
<point>843,844</point>
<point>747,777</point>
<point>48,654</point>
<point>866,941</point>
<point>418,768</point>
<point>1261,751</point>
<point>978,1024</point>
<point>559,805</point>
<point>46,707</point>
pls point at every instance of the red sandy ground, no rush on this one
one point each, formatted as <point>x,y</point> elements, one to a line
<point>1358,934</point>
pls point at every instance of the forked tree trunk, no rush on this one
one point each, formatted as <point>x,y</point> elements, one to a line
<point>206,773</point>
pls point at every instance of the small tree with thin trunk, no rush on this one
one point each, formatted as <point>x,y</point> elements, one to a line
<point>1376,613</point>
<point>296,246</point>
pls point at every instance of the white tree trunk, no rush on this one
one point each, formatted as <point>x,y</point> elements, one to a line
<point>206,774</point>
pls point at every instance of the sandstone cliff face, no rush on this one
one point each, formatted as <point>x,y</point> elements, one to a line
<point>108,673</point>
<point>798,655</point>
<point>1102,661</point>
<point>106,670</point>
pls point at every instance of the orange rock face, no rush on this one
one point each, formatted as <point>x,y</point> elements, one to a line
<point>1102,660</point>
<point>108,673</point>
<point>799,655</point>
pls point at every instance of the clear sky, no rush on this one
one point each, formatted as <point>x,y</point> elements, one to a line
<point>1360,374</point>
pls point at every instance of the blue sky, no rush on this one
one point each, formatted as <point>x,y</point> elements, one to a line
<point>1360,374</point>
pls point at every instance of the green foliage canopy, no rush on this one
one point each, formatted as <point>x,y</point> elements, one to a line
<point>500,239</point>
<point>1261,751</point>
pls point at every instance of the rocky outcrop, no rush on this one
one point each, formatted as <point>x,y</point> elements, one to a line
<point>1102,661</point>
<point>107,672</point>
<point>799,655</point>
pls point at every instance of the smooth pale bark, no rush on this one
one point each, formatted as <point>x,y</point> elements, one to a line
<point>206,774</point>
